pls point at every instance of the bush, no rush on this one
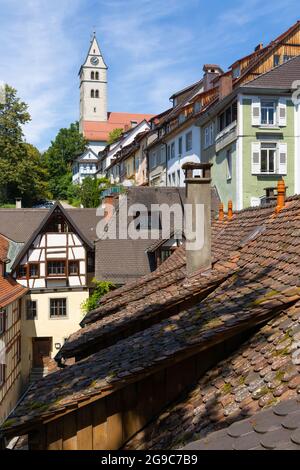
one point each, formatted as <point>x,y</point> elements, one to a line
<point>101,288</point>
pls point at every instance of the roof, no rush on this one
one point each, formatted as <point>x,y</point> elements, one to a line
<point>4,245</point>
<point>18,224</point>
<point>261,282</point>
<point>277,428</point>
<point>122,260</point>
<point>34,233</point>
<point>10,291</point>
<point>281,77</point>
<point>99,131</point>
<point>262,373</point>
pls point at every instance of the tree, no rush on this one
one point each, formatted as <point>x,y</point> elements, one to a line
<point>101,288</point>
<point>88,194</point>
<point>67,145</point>
<point>114,135</point>
<point>22,173</point>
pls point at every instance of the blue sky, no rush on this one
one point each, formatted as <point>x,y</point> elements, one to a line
<point>152,48</point>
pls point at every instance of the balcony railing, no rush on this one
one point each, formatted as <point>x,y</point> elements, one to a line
<point>226,136</point>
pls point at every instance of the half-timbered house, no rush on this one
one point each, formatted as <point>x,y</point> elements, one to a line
<point>11,294</point>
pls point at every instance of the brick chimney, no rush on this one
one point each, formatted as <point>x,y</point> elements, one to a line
<point>211,71</point>
<point>225,86</point>
<point>198,195</point>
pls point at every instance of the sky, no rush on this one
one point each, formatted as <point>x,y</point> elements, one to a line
<point>152,49</point>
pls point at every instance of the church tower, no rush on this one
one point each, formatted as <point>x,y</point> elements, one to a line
<point>93,86</point>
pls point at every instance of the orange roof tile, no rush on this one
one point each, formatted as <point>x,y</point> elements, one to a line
<point>99,131</point>
<point>3,248</point>
<point>10,291</point>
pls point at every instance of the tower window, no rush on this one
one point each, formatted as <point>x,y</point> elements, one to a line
<point>97,75</point>
<point>92,75</point>
<point>92,93</point>
<point>95,110</point>
<point>97,94</point>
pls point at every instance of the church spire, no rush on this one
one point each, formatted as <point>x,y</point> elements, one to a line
<point>93,85</point>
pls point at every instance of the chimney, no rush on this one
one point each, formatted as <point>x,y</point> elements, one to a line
<point>229,213</point>
<point>198,196</point>
<point>18,203</point>
<point>225,86</point>
<point>280,196</point>
<point>259,47</point>
<point>221,212</point>
<point>211,71</point>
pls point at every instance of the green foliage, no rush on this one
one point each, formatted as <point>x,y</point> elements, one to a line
<point>101,288</point>
<point>67,145</point>
<point>114,135</point>
<point>88,194</point>
<point>22,172</point>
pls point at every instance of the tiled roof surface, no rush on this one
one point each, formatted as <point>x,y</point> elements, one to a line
<point>277,428</point>
<point>165,287</point>
<point>99,131</point>
<point>264,282</point>
<point>264,371</point>
<point>19,224</point>
<point>3,248</point>
<point>10,291</point>
<point>282,76</point>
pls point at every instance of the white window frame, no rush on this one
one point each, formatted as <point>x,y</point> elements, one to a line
<point>208,135</point>
<point>268,108</point>
<point>281,156</point>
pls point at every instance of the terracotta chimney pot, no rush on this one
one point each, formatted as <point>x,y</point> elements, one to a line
<point>229,214</point>
<point>280,196</point>
<point>221,212</point>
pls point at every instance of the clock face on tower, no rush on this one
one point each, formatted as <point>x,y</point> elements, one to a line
<point>94,61</point>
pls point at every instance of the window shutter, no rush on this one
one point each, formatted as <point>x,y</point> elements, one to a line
<point>255,162</point>
<point>282,159</point>
<point>282,112</point>
<point>256,119</point>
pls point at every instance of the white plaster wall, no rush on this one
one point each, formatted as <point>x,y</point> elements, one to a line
<point>191,156</point>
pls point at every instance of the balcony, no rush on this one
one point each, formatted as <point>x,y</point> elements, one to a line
<point>226,136</point>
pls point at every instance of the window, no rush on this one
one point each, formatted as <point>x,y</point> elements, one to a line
<point>2,374</point>
<point>268,158</point>
<point>236,72</point>
<point>276,60</point>
<point>173,179</point>
<point>34,270</point>
<point>22,271</point>
<point>172,150</point>
<point>268,112</point>
<point>180,146</point>
<point>287,57</point>
<point>178,177</point>
<point>97,75</point>
<point>58,308</point>
<point>133,123</point>
<point>92,93</point>
<point>168,152</point>
<point>97,94</point>
<point>229,164</point>
<point>188,141</point>
<point>31,309</point>
<point>2,321</point>
<point>92,75</point>
<point>165,253</point>
<point>228,116</point>
<point>55,268</point>
<point>18,349</point>
<point>209,135</point>
<point>73,268</point>
<point>153,162</point>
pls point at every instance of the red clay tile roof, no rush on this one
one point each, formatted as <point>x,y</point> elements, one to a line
<point>263,283</point>
<point>10,291</point>
<point>99,131</point>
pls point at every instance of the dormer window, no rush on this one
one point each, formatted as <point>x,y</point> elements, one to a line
<point>236,71</point>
